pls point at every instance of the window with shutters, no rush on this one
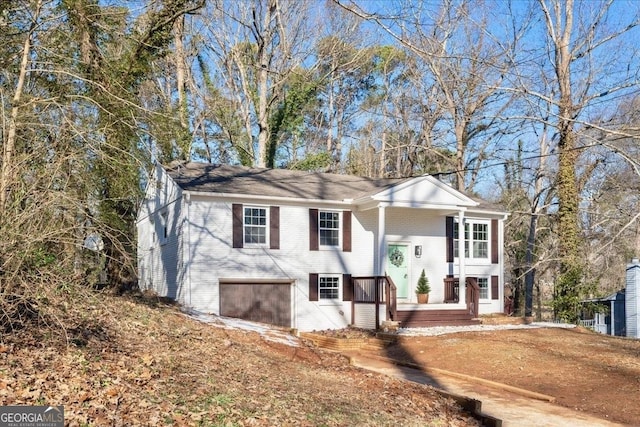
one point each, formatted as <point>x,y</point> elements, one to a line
<point>483,284</point>
<point>476,239</point>
<point>329,287</point>
<point>329,228</point>
<point>255,227</point>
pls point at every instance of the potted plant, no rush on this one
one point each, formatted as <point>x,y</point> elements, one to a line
<point>423,289</point>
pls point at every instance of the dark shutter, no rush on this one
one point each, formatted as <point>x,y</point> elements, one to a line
<point>494,241</point>
<point>238,238</point>
<point>313,230</point>
<point>313,287</point>
<point>347,287</point>
<point>346,231</point>
<point>449,233</point>
<point>274,227</point>
<point>495,294</point>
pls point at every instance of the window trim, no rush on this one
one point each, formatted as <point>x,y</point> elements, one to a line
<point>339,230</point>
<point>266,226</point>
<point>338,298</point>
<point>469,241</point>
<point>487,281</point>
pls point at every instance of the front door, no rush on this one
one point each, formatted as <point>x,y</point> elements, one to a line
<point>398,268</point>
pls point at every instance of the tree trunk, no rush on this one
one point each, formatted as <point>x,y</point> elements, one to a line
<point>263,85</point>
<point>7,172</point>
<point>529,275</point>
<point>184,139</point>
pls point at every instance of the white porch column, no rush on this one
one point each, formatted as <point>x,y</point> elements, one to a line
<point>461,258</point>
<point>382,241</point>
<point>612,316</point>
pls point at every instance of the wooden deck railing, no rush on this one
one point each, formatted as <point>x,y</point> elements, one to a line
<point>391,298</point>
<point>451,290</point>
<point>452,293</point>
<point>473,295</point>
<point>375,290</point>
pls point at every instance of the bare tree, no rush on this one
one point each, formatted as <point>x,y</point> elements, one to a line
<point>255,47</point>
<point>464,62</point>
<point>579,39</point>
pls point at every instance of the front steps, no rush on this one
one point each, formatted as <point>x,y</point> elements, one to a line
<point>428,318</point>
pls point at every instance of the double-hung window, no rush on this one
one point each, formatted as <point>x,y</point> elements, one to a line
<point>255,225</point>
<point>329,287</point>
<point>476,239</point>
<point>329,228</point>
<point>480,239</point>
<point>483,284</point>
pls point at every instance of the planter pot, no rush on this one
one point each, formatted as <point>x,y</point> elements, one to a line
<point>423,298</point>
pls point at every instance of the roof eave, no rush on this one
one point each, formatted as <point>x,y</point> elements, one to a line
<point>235,196</point>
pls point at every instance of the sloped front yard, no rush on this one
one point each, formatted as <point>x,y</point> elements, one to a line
<point>583,370</point>
<point>136,363</point>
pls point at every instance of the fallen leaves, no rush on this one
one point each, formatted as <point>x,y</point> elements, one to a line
<point>152,366</point>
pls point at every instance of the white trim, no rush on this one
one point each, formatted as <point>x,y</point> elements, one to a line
<point>462,278</point>
<point>330,301</point>
<point>461,241</point>
<point>488,280</point>
<point>269,199</point>
<point>389,194</point>
<point>382,242</point>
<point>410,282</point>
<point>322,247</point>
<point>267,227</point>
<point>257,281</point>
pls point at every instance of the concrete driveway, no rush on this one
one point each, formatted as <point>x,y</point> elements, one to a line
<point>513,409</point>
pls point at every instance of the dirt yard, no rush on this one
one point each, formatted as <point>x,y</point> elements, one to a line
<point>137,362</point>
<point>583,370</point>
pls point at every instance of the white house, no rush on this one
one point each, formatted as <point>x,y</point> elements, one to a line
<point>314,251</point>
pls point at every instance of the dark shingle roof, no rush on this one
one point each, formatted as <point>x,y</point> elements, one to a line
<point>204,177</point>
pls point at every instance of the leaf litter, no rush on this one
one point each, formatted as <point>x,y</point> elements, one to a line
<point>141,362</point>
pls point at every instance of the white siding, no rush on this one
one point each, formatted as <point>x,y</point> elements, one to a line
<point>198,253</point>
<point>211,257</point>
<point>159,257</point>
<point>632,301</point>
<point>419,227</point>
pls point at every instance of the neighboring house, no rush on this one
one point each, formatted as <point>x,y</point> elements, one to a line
<point>314,251</point>
<point>619,313</point>
<point>605,315</point>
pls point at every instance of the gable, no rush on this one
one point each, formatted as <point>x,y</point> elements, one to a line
<point>421,192</point>
<point>160,192</point>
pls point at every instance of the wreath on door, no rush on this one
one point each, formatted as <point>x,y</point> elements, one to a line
<point>396,257</point>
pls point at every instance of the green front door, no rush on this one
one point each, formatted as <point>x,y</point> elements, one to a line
<point>398,268</point>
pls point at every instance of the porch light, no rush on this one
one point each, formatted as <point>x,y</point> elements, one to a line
<point>418,251</point>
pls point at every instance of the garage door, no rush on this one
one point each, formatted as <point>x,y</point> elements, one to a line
<point>268,302</point>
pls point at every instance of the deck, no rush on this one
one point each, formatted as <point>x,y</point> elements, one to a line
<point>380,291</point>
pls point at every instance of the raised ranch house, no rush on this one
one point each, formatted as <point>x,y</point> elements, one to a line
<point>313,251</point>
